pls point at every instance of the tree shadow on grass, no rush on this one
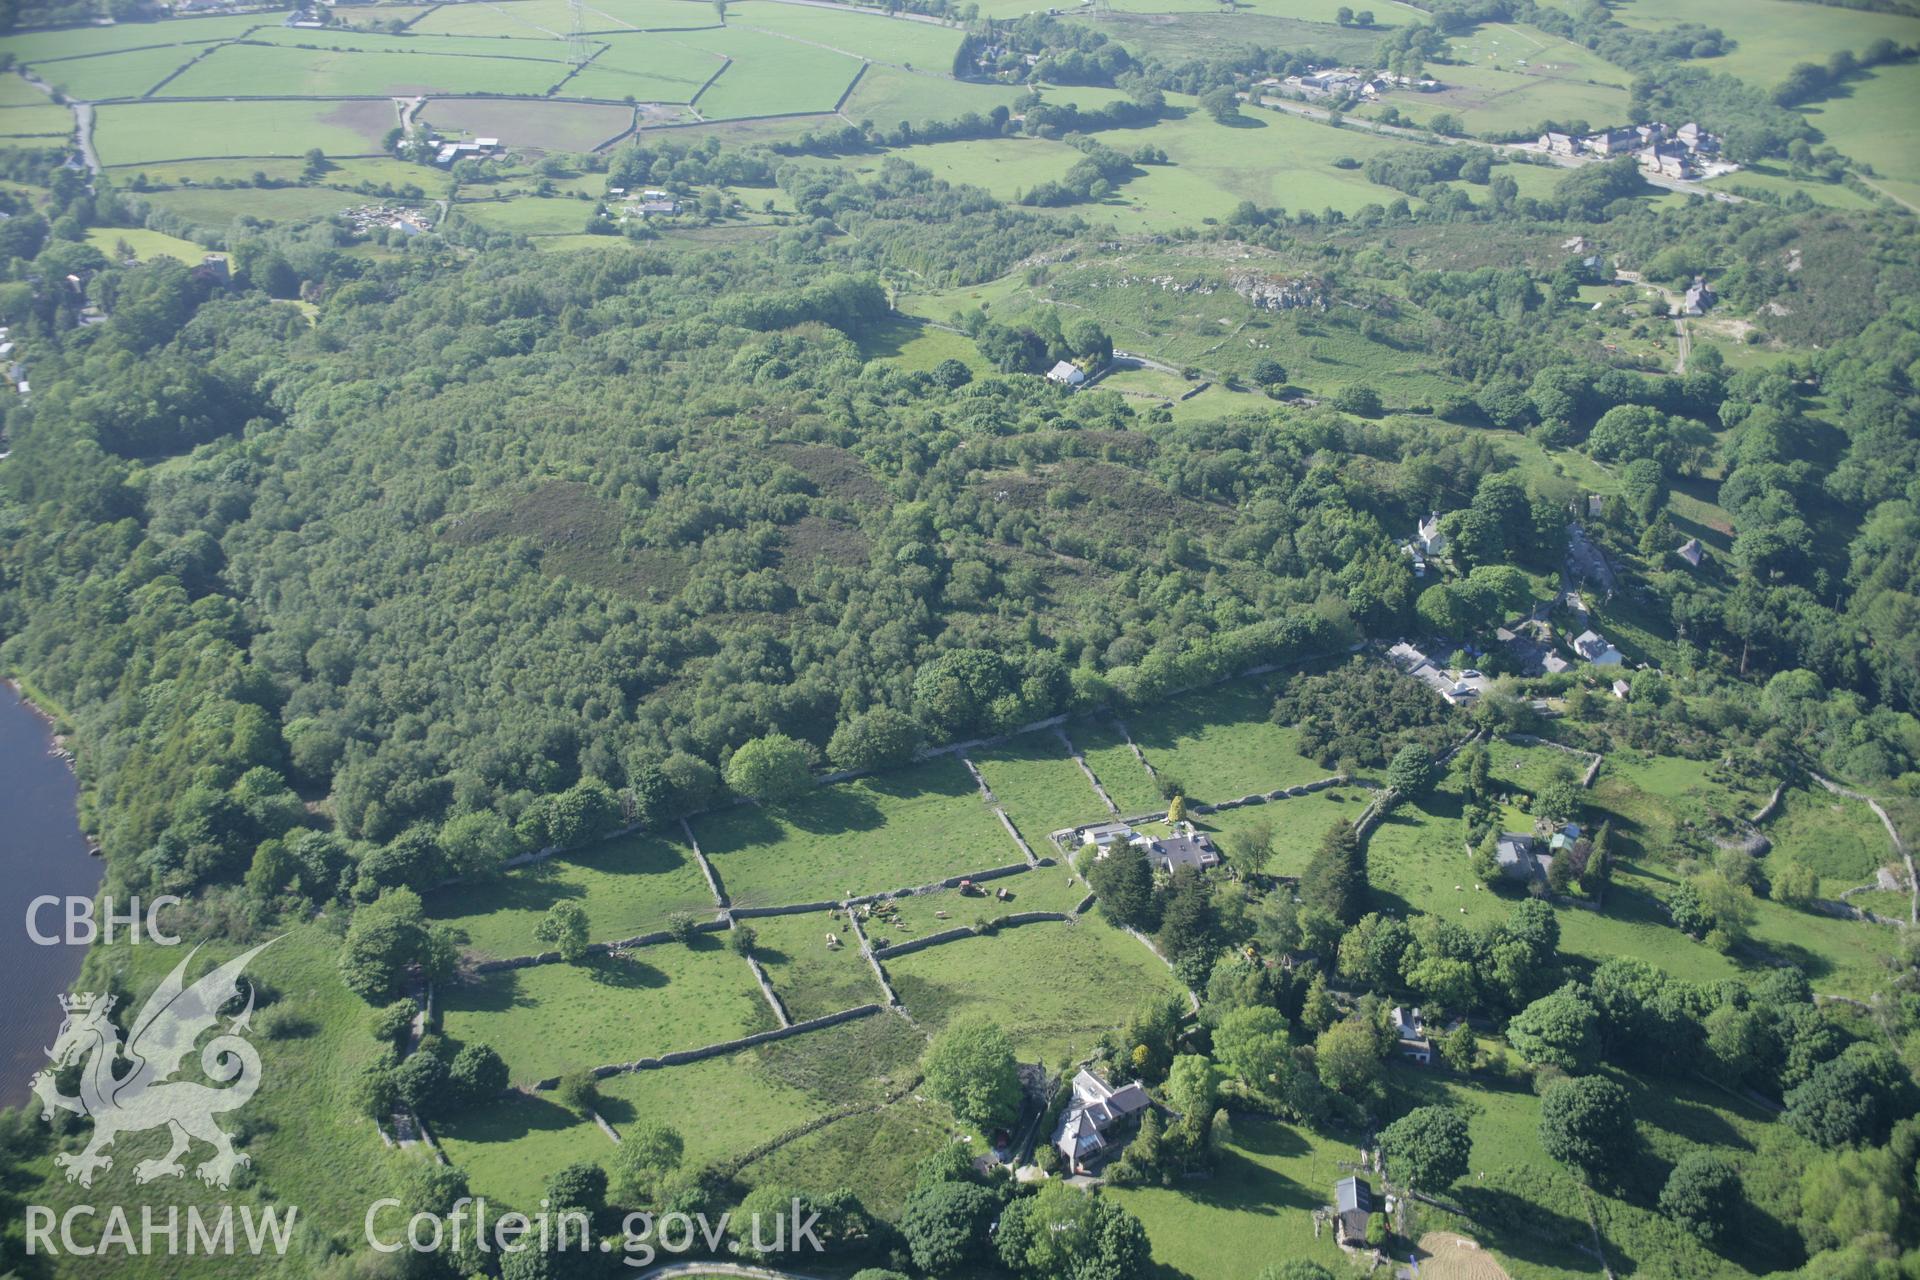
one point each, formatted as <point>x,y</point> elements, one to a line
<point>1527,1230</point>
<point>829,810</point>
<point>508,1121</point>
<point>943,777</point>
<point>625,975</point>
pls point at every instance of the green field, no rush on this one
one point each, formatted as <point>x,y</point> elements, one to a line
<point>510,1149</point>
<point>309,1146</point>
<point>150,132</point>
<point>908,827</point>
<point>419,46</point>
<point>555,1018</point>
<point>78,42</point>
<point>887,95</point>
<point>1505,99</point>
<point>1271,158</point>
<point>214,208</point>
<point>1529,1211</point>
<point>1839,838</point>
<point>1105,750</point>
<point>248,70</point>
<point>43,120</point>
<point>146,245</point>
<point>116,75</point>
<point>1221,743</point>
<point>1054,987</point>
<point>771,76</point>
<point>646,69</point>
<point>811,978</point>
<point>1298,823</point>
<point>1004,166</point>
<point>901,341</point>
<point>1039,785</point>
<point>535,17</point>
<point>872,35</point>
<point>629,887</point>
<point>1210,33</point>
<point>530,215</point>
<point>1875,120</point>
<point>1773,35</point>
<point>1257,1204</point>
<point>873,1154</point>
<point>549,126</point>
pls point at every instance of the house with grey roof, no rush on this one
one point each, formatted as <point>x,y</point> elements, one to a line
<point>1520,856</point>
<point>1090,1127</point>
<point>1699,297</point>
<point>1593,647</point>
<point>1067,374</point>
<point>1352,1206</point>
<point>1185,848</point>
<point>1410,1035</point>
<point>1691,551</point>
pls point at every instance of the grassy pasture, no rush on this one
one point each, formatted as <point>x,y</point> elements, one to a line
<point>872,1153</point>
<point>216,208</point>
<point>810,979</point>
<point>722,1107</point>
<point>1529,1211</point>
<point>901,828</point>
<point>116,75</point>
<point>1876,120</point>
<point>872,35</point>
<point>530,46</point>
<point>1222,744</point>
<point>146,245</point>
<point>629,886</point>
<point>1773,35</point>
<point>150,132</point>
<point>40,121</point>
<point>1270,158</point>
<point>529,17</point>
<point>243,70</point>
<point>775,76</point>
<point>510,1148</point>
<point>308,1144</point>
<point>1004,166</point>
<point>1298,823</point>
<point>1105,750</point>
<point>1837,837</point>
<point>1054,987</point>
<point>1208,34</point>
<point>79,42</point>
<point>555,1018</point>
<point>1039,785</point>
<point>888,95</point>
<point>899,340</point>
<point>16,92</point>
<point>644,68</point>
<point>1258,1204</point>
<point>1502,99</point>
<point>1775,178</point>
<point>529,215</point>
<point>549,126</point>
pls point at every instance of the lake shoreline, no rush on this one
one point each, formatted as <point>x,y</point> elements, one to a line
<point>47,856</point>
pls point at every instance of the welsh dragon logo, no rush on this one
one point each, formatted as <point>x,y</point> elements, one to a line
<point>163,1033</point>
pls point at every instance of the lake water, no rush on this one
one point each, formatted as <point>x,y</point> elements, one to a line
<point>41,852</point>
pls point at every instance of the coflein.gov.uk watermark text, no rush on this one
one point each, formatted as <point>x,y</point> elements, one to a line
<point>642,1236</point>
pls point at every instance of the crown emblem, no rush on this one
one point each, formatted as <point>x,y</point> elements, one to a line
<point>84,1002</point>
